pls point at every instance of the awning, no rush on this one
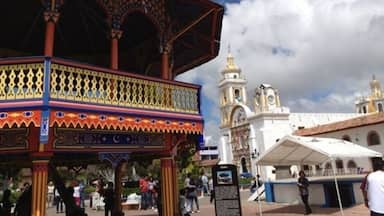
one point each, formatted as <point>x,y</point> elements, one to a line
<point>291,150</point>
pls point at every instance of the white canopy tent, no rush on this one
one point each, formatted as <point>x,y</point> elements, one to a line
<point>292,150</point>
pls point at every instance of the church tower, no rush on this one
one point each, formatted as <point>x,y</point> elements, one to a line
<point>374,102</point>
<point>266,99</point>
<point>232,90</point>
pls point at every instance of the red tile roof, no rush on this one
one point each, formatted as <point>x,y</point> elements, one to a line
<point>364,120</point>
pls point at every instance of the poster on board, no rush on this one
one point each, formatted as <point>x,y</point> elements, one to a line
<point>226,189</point>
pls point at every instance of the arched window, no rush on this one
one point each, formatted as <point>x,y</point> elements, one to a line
<point>339,166</point>
<point>380,107</point>
<point>346,138</point>
<point>352,167</point>
<point>244,165</point>
<point>373,138</point>
<point>328,169</point>
<point>237,95</point>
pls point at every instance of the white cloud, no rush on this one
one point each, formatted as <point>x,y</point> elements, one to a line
<point>334,46</point>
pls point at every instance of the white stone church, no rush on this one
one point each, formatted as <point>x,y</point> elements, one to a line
<point>249,127</point>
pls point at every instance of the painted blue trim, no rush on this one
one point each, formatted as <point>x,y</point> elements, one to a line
<point>199,100</point>
<point>326,197</point>
<point>353,199</point>
<point>269,192</point>
<point>47,78</point>
<point>44,122</point>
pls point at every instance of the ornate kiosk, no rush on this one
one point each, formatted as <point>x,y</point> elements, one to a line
<point>89,80</point>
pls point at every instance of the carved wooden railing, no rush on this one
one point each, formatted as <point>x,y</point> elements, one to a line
<point>22,79</point>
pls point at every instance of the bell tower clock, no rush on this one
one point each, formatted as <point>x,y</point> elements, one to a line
<point>266,98</point>
<point>232,88</point>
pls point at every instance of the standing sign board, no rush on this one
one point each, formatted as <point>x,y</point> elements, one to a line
<point>226,188</point>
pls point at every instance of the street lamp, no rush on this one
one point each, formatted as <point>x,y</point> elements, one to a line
<point>255,154</point>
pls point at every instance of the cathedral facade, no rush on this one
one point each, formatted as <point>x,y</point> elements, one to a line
<point>250,127</point>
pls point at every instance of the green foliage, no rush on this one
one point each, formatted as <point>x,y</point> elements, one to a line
<point>89,189</point>
<point>245,181</point>
<point>14,196</point>
<point>127,191</point>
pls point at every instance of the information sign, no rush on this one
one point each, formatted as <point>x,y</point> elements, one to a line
<point>226,189</point>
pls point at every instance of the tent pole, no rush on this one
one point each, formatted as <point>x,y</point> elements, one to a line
<point>337,187</point>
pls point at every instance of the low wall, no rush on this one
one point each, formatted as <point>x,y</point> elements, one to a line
<point>322,191</point>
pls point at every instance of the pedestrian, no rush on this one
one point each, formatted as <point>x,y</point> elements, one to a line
<point>69,209</point>
<point>58,201</point>
<point>204,182</point>
<point>6,203</point>
<point>50,196</point>
<point>76,193</point>
<point>183,203</point>
<point>144,190</point>
<point>151,193</point>
<point>192,196</point>
<point>82,194</point>
<point>23,204</point>
<point>211,190</point>
<point>257,183</point>
<point>363,188</point>
<point>109,199</point>
<point>375,189</point>
<point>303,185</point>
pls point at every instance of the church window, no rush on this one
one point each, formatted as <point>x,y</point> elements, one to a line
<point>373,138</point>
<point>352,167</point>
<point>364,109</point>
<point>346,138</point>
<point>237,95</point>
<point>339,166</point>
<point>380,107</point>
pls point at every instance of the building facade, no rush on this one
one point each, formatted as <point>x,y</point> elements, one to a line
<point>248,128</point>
<point>373,102</point>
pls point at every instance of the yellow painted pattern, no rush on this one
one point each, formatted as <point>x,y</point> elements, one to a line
<point>84,85</point>
<point>39,188</point>
<point>167,195</point>
<point>21,81</point>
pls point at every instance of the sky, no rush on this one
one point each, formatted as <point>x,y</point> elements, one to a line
<point>319,54</point>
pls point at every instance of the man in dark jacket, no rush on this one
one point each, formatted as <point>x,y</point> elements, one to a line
<point>109,199</point>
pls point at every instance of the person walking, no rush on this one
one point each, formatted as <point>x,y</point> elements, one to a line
<point>58,201</point>
<point>192,195</point>
<point>144,190</point>
<point>76,193</point>
<point>182,203</point>
<point>82,194</point>
<point>303,185</point>
<point>6,203</point>
<point>23,204</point>
<point>50,196</point>
<point>211,190</point>
<point>204,182</point>
<point>109,199</point>
<point>375,189</point>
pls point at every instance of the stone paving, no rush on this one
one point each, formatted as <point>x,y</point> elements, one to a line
<point>248,209</point>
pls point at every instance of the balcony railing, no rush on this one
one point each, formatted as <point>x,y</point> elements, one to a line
<point>80,83</point>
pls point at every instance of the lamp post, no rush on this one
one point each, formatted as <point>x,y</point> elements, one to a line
<point>255,154</point>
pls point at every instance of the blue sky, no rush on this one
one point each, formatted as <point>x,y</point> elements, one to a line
<point>320,54</point>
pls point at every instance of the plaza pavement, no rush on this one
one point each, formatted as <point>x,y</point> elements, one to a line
<point>248,209</point>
